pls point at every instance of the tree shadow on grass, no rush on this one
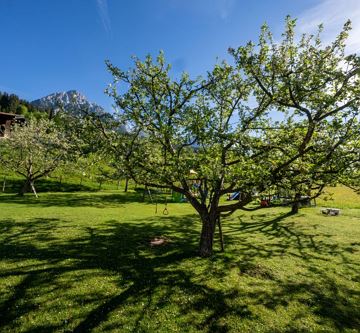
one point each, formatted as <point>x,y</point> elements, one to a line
<point>118,249</point>
<point>281,236</point>
<point>48,185</point>
<point>98,200</point>
<point>170,277</point>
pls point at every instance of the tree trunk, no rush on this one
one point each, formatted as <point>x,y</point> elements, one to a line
<point>296,204</point>
<point>28,185</point>
<point>207,235</point>
<point>126,184</point>
<point>25,187</point>
<point>4,184</point>
<point>33,188</point>
<point>144,193</point>
<point>221,237</point>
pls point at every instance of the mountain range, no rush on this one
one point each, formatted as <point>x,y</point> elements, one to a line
<point>71,101</point>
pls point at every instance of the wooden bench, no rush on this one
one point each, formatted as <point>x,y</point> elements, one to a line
<point>331,211</point>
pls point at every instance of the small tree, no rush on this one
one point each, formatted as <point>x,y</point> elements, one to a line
<point>34,151</point>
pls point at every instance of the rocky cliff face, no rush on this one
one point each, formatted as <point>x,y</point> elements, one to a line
<point>77,105</point>
<point>71,101</point>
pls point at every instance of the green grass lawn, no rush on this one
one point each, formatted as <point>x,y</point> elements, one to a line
<point>79,262</point>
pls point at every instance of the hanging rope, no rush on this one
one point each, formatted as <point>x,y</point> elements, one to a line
<point>166,211</point>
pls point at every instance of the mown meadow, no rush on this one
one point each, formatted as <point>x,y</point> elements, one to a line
<point>82,261</point>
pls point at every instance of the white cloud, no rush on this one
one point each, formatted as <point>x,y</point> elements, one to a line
<point>333,14</point>
<point>104,14</point>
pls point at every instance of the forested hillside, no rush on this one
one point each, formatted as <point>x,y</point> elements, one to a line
<point>11,103</point>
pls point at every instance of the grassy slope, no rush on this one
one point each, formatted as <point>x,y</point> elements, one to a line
<point>340,197</point>
<point>81,261</point>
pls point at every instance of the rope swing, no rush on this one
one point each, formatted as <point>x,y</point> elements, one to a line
<point>165,211</point>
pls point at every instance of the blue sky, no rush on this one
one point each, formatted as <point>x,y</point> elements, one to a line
<point>58,45</point>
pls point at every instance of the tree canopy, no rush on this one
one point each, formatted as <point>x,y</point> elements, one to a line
<point>212,136</point>
<point>11,103</point>
<point>34,150</point>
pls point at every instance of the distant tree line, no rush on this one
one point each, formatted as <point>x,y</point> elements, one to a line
<point>11,103</point>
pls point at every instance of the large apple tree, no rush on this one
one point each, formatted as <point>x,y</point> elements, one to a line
<point>209,137</point>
